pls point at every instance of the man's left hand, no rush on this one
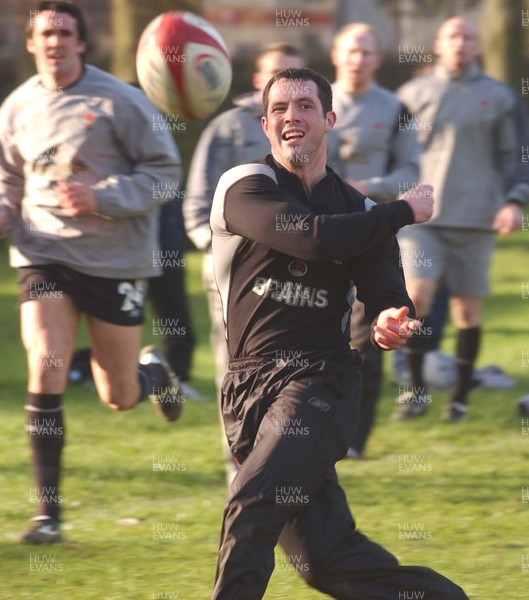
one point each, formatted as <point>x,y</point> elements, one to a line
<point>393,327</point>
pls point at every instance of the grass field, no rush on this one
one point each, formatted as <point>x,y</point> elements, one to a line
<point>135,532</point>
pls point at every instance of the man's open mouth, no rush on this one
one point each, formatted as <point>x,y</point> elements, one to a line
<point>293,135</point>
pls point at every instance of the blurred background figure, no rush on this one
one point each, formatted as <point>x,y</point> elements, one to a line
<point>470,128</point>
<point>168,297</point>
<point>379,156</point>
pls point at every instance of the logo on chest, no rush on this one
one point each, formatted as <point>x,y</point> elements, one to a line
<point>288,292</point>
<point>298,268</point>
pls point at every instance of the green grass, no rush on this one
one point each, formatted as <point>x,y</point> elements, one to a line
<point>468,501</point>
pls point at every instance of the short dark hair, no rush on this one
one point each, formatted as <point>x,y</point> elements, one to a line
<point>304,74</point>
<point>64,6</point>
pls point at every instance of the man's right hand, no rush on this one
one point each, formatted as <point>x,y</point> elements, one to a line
<point>420,199</point>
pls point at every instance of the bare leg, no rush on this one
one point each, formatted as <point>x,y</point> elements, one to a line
<point>48,330</point>
<point>115,362</point>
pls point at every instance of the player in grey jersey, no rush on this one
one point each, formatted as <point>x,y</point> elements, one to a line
<point>471,130</point>
<point>78,164</point>
<point>380,157</point>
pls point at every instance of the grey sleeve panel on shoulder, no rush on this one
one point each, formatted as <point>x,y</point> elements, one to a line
<point>369,204</point>
<point>224,243</point>
<point>218,222</point>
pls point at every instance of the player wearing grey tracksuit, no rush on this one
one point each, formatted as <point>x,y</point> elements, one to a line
<point>378,142</point>
<point>470,128</point>
<point>100,132</point>
<point>378,146</point>
<point>232,138</point>
<point>472,131</point>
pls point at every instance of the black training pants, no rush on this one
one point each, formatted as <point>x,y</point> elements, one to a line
<point>288,426</point>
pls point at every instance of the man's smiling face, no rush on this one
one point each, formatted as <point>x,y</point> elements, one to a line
<point>295,123</point>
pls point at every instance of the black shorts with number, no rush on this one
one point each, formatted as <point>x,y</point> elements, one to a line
<point>117,301</point>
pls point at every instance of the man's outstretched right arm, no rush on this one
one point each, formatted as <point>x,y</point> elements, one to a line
<point>248,202</point>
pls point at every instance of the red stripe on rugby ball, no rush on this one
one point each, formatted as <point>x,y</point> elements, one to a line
<point>174,30</point>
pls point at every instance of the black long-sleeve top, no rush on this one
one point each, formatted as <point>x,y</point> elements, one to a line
<point>286,262</point>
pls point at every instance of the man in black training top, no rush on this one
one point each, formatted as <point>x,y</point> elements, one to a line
<point>290,239</point>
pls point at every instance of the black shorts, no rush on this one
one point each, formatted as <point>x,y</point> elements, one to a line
<point>117,301</point>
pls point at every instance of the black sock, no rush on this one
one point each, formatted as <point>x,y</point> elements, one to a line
<point>152,377</point>
<point>46,432</point>
<point>415,350</point>
<point>466,352</point>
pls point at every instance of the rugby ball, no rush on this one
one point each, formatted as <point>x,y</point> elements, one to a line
<point>183,65</point>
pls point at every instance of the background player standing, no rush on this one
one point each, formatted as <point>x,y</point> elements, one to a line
<point>469,130</point>
<point>379,156</point>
